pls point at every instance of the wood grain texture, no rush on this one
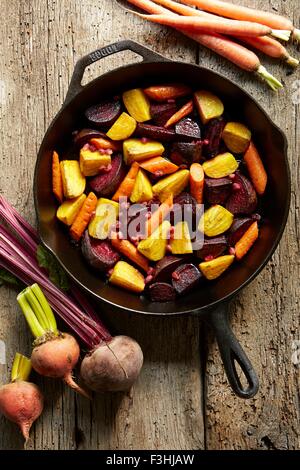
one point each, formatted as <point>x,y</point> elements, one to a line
<point>39,45</point>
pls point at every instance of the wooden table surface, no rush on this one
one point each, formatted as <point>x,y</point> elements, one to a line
<point>182,399</point>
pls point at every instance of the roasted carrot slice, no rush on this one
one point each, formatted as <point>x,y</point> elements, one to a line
<point>130,251</point>
<point>245,243</point>
<point>159,166</point>
<point>167,92</point>
<point>57,185</point>
<point>105,144</point>
<point>181,113</point>
<point>82,220</point>
<point>159,215</point>
<point>256,169</point>
<point>126,187</point>
<point>197,182</point>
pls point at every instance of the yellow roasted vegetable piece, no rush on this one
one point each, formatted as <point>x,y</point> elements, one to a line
<point>215,220</point>
<point>136,150</point>
<point>155,246</point>
<point>137,104</point>
<point>237,137</point>
<point>173,184</point>
<point>90,162</point>
<point>220,166</point>
<point>126,276</point>
<point>214,268</point>
<point>123,128</point>
<point>209,105</point>
<point>181,242</point>
<point>69,209</point>
<point>105,216</point>
<point>142,189</point>
<point>72,178</point>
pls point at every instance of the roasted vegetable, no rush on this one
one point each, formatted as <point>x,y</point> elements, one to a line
<point>184,204</point>
<point>162,292</point>
<point>159,166</point>
<point>85,135</point>
<point>214,268</point>
<point>236,137</point>
<point>126,276</point>
<point>161,112</point>
<point>137,104</point>
<point>256,169</point>
<point>184,111</point>
<point>106,183</point>
<point>213,247</point>
<point>142,189</point>
<point>181,242</point>
<point>172,184</point>
<point>217,190</point>
<point>223,165</point>
<point>83,217</point>
<point>126,186</point>
<point>99,254</point>
<point>243,199</point>
<point>248,239</point>
<point>92,162</point>
<point>149,131</point>
<point>104,114</point>
<point>69,209</point>
<point>167,92</point>
<point>105,216</point>
<point>209,105</point>
<point>215,221</point>
<point>185,153</point>
<point>159,215</point>
<point>123,128</point>
<point>238,228</point>
<point>137,150</point>
<point>72,179</point>
<point>187,129</point>
<point>57,184</point>
<point>197,182</point>
<point>154,247</point>
<point>165,267</point>
<point>212,137</point>
<point>130,251</point>
<point>185,278</point>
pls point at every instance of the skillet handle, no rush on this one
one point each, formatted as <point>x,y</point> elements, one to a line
<point>232,351</point>
<point>75,84</point>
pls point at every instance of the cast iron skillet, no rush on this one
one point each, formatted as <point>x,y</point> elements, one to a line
<point>211,302</point>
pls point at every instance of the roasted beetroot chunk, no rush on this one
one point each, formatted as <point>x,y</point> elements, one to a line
<point>85,135</point>
<point>239,226</point>
<point>161,112</point>
<point>217,190</point>
<point>185,278</point>
<point>165,267</point>
<point>213,135</point>
<point>104,114</point>
<point>184,204</point>
<point>213,247</point>
<point>187,129</point>
<point>154,132</point>
<point>105,184</point>
<point>162,292</point>
<point>99,254</point>
<point>243,199</point>
<point>186,153</point>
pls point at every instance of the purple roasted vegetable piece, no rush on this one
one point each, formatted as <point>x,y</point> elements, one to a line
<point>165,267</point>
<point>217,190</point>
<point>213,247</point>
<point>161,112</point>
<point>104,114</point>
<point>85,135</point>
<point>105,184</point>
<point>187,129</point>
<point>183,204</point>
<point>185,277</point>
<point>243,199</point>
<point>154,132</point>
<point>161,292</point>
<point>99,254</point>
<point>239,226</point>
<point>212,137</point>
<point>186,153</point>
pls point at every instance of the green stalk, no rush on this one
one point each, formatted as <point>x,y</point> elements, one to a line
<point>37,291</point>
<point>270,79</point>
<point>21,368</point>
<point>36,329</point>
<point>37,308</point>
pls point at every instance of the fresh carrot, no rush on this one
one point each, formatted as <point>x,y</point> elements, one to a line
<point>203,24</point>
<point>57,185</point>
<point>256,169</point>
<point>130,251</point>
<point>197,182</point>
<point>159,166</point>
<point>159,215</point>
<point>126,187</point>
<point>245,243</point>
<point>240,12</point>
<point>167,92</point>
<point>81,222</point>
<point>225,47</point>
<point>104,144</point>
<point>181,113</point>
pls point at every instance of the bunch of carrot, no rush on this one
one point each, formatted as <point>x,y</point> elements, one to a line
<point>217,25</point>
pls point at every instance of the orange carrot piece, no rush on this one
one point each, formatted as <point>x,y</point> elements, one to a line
<point>245,243</point>
<point>159,166</point>
<point>197,182</point>
<point>105,144</point>
<point>256,169</point>
<point>167,92</point>
<point>126,187</point>
<point>57,185</point>
<point>180,114</point>
<point>81,222</point>
<point>159,215</point>
<point>130,251</point>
